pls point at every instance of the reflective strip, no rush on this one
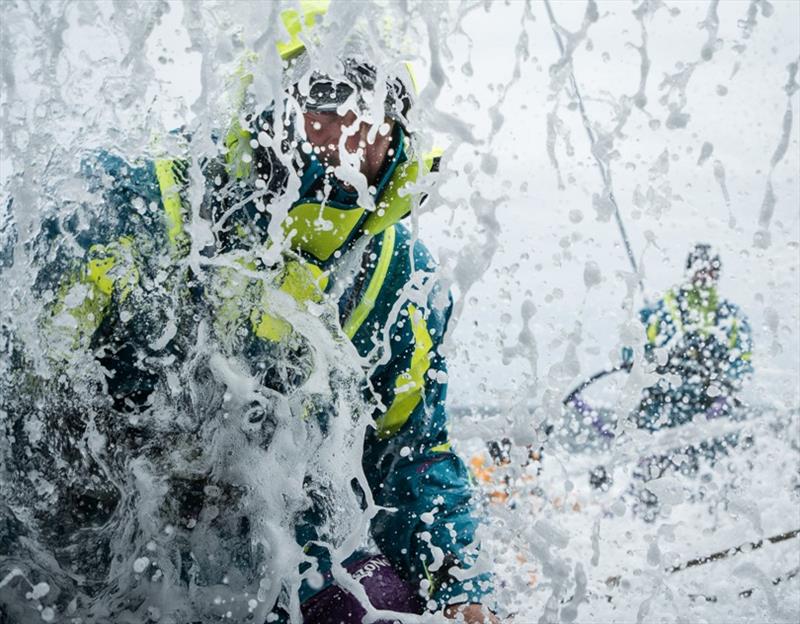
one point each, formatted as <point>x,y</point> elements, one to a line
<point>431,582</point>
<point>237,139</point>
<point>239,156</point>
<point>413,78</point>
<point>734,337</point>
<point>311,10</point>
<point>370,297</point>
<point>89,313</point>
<point>652,332</point>
<point>441,448</point>
<point>710,310</point>
<point>96,274</point>
<point>240,297</point>
<point>304,282</point>
<point>171,198</point>
<point>674,312</point>
<point>393,206</point>
<point>703,307</point>
<point>746,356</point>
<point>268,327</point>
<point>98,269</point>
<point>410,386</point>
<point>320,230</point>
<point>708,321</point>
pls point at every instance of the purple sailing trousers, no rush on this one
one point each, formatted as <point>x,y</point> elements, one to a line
<point>384,587</point>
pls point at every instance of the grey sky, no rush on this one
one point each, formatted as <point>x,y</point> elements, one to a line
<point>738,110</point>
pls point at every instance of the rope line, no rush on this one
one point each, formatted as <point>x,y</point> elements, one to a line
<point>602,166</point>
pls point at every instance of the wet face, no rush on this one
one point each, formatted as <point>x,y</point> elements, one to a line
<point>328,130</point>
<point>706,277</point>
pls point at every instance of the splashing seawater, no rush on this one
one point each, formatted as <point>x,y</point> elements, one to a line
<point>157,469</point>
<point>187,504</point>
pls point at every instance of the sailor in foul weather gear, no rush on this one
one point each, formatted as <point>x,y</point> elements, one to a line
<point>700,344</point>
<point>343,243</point>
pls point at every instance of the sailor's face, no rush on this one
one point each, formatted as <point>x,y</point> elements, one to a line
<point>706,277</point>
<point>329,132</point>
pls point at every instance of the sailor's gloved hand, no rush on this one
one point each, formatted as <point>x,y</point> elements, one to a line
<point>471,614</point>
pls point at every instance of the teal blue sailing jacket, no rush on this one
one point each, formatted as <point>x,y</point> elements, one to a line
<point>427,529</point>
<point>701,332</point>
<point>703,347</point>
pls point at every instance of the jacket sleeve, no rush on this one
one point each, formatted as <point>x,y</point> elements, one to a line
<point>85,283</point>
<point>132,202</point>
<point>427,528</point>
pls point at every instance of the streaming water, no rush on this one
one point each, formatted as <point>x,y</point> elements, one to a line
<point>183,506</point>
<point>161,469</point>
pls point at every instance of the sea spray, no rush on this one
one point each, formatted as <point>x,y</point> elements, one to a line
<point>155,468</point>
